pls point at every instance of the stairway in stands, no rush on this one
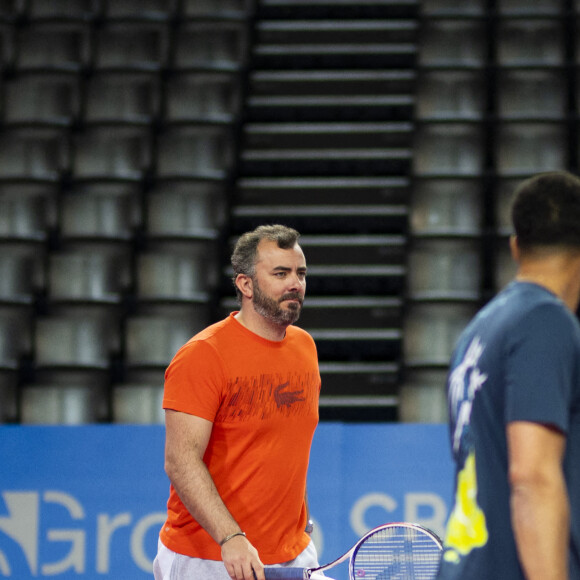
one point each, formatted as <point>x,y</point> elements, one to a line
<point>326,148</point>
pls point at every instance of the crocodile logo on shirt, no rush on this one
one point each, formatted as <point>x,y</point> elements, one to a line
<point>267,396</point>
<point>287,398</point>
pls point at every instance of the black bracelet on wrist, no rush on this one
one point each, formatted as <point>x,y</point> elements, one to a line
<point>228,538</point>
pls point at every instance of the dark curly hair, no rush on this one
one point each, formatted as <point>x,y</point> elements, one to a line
<point>546,211</point>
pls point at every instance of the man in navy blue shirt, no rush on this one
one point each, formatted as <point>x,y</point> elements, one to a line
<point>514,405</point>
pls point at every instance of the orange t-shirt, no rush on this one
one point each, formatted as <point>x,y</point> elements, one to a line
<point>262,397</point>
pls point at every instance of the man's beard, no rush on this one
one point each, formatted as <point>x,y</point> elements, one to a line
<point>271,310</point>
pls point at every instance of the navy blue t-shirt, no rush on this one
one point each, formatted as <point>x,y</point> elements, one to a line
<point>518,360</point>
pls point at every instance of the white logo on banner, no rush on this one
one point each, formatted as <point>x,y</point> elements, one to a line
<point>23,525</point>
<point>415,505</point>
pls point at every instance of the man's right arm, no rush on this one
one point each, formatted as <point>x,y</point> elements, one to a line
<point>187,437</point>
<point>539,499</point>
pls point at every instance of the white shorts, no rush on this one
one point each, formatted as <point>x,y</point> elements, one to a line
<point>168,565</point>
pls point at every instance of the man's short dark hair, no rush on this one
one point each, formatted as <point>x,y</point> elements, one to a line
<point>546,211</point>
<point>246,250</point>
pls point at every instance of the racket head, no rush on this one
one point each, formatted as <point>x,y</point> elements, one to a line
<point>396,551</point>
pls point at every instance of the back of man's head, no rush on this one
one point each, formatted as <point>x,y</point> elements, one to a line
<point>546,212</point>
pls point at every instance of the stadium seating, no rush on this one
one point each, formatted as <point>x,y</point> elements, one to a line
<point>140,138</point>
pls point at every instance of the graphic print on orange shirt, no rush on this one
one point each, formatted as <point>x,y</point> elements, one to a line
<point>266,396</point>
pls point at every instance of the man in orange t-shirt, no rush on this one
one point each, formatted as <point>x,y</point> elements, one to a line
<point>241,401</point>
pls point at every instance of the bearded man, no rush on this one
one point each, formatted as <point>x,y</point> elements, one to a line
<point>241,408</point>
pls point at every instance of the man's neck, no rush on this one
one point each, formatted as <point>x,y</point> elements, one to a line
<point>260,325</point>
<point>559,274</point>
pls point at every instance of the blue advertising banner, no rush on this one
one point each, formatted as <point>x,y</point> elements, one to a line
<point>87,502</point>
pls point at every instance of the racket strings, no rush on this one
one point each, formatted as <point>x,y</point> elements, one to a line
<point>396,553</point>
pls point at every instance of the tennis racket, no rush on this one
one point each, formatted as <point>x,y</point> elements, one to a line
<point>397,551</point>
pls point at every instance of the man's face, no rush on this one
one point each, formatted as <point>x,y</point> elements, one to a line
<point>279,283</point>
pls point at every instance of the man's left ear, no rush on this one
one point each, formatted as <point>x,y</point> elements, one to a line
<point>514,247</point>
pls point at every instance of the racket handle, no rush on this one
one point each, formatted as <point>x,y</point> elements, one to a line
<point>288,573</point>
